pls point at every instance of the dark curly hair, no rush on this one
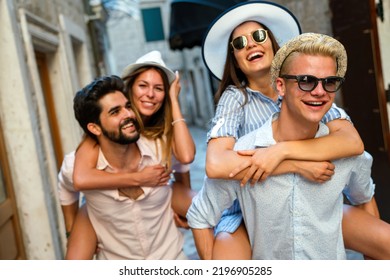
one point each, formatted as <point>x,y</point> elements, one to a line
<point>86,101</point>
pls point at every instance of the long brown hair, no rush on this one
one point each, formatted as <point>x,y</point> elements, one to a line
<point>159,125</point>
<point>232,75</point>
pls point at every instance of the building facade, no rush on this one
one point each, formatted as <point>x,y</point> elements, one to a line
<point>46,57</point>
<point>133,35</point>
<point>51,48</point>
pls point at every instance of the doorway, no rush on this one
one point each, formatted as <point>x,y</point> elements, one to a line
<point>50,108</point>
<point>363,92</point>
<point>11,243</point>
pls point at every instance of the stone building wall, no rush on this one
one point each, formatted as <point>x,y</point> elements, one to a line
<point>53,33</point>
<point>58,29</point>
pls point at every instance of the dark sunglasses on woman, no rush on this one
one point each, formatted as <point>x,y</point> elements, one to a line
<point>259,36</point>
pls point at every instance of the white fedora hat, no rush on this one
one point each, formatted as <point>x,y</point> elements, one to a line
<point>310,41</point>
<point>152,58</point>
<point>278,19</point>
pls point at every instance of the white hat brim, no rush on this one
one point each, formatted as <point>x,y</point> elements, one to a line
<point>133,67</point>
<point>278,19</point>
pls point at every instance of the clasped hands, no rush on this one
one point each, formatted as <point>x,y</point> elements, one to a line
<point>263,162</point>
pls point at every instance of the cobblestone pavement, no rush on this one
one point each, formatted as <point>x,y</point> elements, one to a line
<point>197,175</point>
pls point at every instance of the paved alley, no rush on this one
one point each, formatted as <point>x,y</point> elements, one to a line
<point>197,175</point>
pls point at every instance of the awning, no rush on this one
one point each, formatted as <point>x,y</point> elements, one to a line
<point>190,20</point>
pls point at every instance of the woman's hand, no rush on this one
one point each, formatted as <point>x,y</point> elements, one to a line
<point>263,162</point>
<point>174,89</point>
<point>154,176</point>
<point>315,171</point>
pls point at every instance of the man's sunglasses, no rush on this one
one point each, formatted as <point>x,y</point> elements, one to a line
<point>309,82</point>
<point>259,36</point>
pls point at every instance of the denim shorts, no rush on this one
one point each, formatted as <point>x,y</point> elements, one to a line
<point>230,220</point>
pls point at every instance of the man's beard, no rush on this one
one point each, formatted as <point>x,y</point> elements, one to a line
<point>119,137</point>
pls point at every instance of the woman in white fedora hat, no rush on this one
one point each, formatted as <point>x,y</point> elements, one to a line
<point>153,90</point>
<point>238,50</point>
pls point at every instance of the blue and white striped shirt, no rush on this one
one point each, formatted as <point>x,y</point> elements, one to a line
<point>232,119</point>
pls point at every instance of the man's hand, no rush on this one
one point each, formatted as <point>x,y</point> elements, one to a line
<point>370,207</point>
<point>180,221</point>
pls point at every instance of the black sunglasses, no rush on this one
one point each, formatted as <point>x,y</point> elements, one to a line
<point>259,36</point>
<point>309,82</point>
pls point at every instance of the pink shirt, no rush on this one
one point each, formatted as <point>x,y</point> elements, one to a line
<point>135,229</point>
<point>66,192</point>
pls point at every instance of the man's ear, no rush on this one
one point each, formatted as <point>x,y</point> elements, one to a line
<point>280,86</point>
<point>94,128</point>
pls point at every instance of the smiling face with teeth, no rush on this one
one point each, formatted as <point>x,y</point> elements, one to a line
<point>306,108</point>
<point>255,59</point>
<point>117,120</point>
<point>148,93</point>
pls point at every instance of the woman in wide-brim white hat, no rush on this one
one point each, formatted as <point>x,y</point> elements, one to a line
<point>238,49</point>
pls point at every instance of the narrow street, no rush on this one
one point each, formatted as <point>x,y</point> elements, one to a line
<point>197,176</point>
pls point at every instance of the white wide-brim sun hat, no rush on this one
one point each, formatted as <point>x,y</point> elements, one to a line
<point>278,19</point>
<point>152,58</point>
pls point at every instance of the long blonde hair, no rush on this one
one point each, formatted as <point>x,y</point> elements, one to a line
<point>159,125</point>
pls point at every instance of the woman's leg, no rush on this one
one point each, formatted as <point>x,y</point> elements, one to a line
<point>232,246</point>
<point>82,242</point>
<point>182,194</point>
<point>366,233</point>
